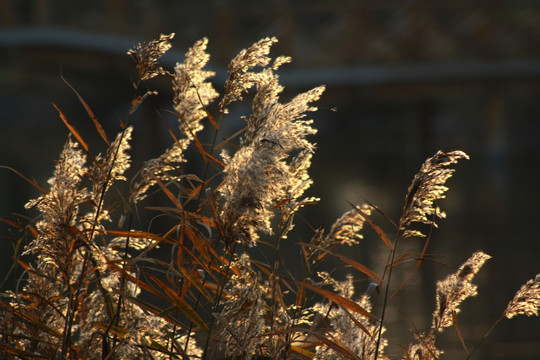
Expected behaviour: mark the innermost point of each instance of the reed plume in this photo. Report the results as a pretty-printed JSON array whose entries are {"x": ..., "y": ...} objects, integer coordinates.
[
  {"x": 193, "y": 91},
  {"x": 260, "y": 177},
  {"x": 146, "y": 56},
  {"x": 451, "y": 292},
  {"x": 526, "y": 301},
  {"x": 353, "y": 332},
  {"x": 426, "y": 188}
]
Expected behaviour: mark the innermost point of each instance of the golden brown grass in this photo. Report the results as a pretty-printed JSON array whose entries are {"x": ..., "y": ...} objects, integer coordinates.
[{"x": 88, "y": 273}]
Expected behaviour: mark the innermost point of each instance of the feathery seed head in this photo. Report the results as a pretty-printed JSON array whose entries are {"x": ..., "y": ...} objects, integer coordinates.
[
  {"x": 343, "y": 324},
  {"x": 260, "y": 175},
  {"x": 454, "y": 289},
  {"x": 424, "y": 348},
  {"x": 106, "y": 170},
  {"x": 146, "y": 56},
  {"x": 240, "y": 77},
  {"x": 426, "y": 188},
  {"x": 193, "y": 91},
  {"x": 526, "y": 301},
  {"x": 243, "y": 310},
  {"x": 59, "y": 208},
  {"x": 346, "y": 229}
]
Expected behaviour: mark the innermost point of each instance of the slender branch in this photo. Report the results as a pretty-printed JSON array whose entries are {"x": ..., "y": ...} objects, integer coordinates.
[{"x": 485, "y": 336}]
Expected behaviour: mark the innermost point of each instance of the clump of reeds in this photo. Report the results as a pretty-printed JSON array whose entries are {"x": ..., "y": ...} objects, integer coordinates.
[{"x": 88, "y": 272}]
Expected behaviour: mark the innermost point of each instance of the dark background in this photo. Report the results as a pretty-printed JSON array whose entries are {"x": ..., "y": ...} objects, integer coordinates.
[{"x": 407, "y": 78}]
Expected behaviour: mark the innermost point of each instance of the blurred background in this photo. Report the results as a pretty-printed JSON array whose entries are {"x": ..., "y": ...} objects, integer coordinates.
[{"x": 404, "y": 79}]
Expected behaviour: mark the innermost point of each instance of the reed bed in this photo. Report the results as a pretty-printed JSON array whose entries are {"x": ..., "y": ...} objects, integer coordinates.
[{"x": 92, "y": 286}]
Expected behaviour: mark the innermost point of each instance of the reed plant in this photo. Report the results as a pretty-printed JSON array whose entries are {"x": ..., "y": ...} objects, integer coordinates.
[{"x": 93, "y": 285}]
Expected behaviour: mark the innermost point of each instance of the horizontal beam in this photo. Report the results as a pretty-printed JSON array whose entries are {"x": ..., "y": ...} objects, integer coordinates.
[{"x": 355, "y": 76}]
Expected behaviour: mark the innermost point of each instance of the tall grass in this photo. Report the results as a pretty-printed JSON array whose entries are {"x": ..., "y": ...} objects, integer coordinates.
[{"x": 93, "y": 287}]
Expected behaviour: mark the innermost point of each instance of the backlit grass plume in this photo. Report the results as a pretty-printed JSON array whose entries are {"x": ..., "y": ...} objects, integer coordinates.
[
  {"x": 354, "y": 332},
  {"x": 454, "y": 289},
  {"x": 261, "y": 176},
  {"x": 451, "y": 292},
  {"x": 146, "y": 56},
  {"x": 428, "y": 187},
  {"x": 192, "y": 93},
  {"x": 526, "y": 301}
]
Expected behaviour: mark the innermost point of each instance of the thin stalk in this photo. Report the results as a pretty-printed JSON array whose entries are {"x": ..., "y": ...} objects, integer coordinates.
[
  {"x": 485, "y": 336},
  {"x": 204, "y": 178},
  {"x": 116, "y": 319},
  {"x": 389, "y": 266},
  {"x": 70, "y": 312},
  {"x": 219, "y": 294},
  {"x": 207, "y": 163}
]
